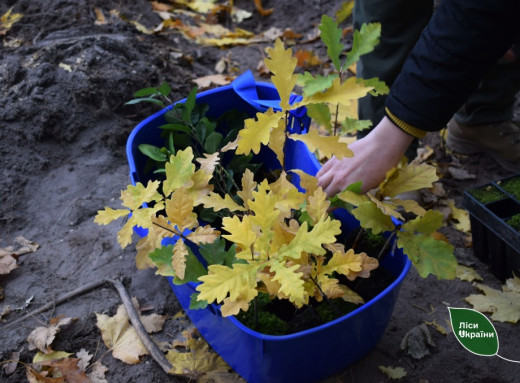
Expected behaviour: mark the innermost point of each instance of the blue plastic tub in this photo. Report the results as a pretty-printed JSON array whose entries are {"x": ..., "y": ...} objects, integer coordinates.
[{"x": 307, "y": 356}]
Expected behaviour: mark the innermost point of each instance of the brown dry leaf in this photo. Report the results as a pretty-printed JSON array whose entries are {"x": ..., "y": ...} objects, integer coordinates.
[
  {"x": 195, "y": 359},
  {"x": 60, "y": 370},
  {"x": 120, "y": 336},
  {"x": 460, "y": 174},
  {"x": 307, "y": 59},
  {"x": 41, "y": 338},
  {"x": 263, "y": 12},
  {"x": 160, "y": 7},
  {"x": 7, "y": 20},
  {"x": 140, "y": 27},
  {"x": 206, "y": 82},
  {"x": 153, "y": 322},
  {"x": 438, "y": 327}
]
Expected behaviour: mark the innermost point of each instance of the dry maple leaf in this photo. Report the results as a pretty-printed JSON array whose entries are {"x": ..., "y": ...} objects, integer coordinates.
[{"x": 60, "y": 370}]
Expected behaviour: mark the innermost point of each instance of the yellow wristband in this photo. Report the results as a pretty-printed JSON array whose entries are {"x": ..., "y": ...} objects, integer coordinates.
[{"x": 404, "y": 126}]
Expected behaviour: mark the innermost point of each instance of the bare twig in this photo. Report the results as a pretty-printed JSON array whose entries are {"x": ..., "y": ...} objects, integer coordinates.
[
  {"x": 65, "y": 297},
  {"x": 148, "y": 343}
]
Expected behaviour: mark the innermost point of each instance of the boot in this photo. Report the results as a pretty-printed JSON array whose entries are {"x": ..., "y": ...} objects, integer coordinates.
[{"x": 500, "y": 141}]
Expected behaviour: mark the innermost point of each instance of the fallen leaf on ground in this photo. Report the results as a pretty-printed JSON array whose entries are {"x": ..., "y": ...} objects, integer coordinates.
[
  {"x": 504, "y": 305},
  {"x": 438, "y": 327},
  {"x": 460, "y": 216},
  {"x": 10, "y": 365},
  {"x": 261, "y": 10},
  {"x": 97, "y": 373},
  {"x": 54, "y": 355},
  {"x": 465, "y": 273},
  {"x": 215, "y": 79},
  {"x": 417, "y": 341},
  {"x": 7, "y": 20},
  {"x": 7, "y": 264},
  {"x": 42, "y": 337},
  {"x": 120, "y": 336},
  {"x": 460, "y": 174},
  {"x": 193, "y": 358},
  {"x": 393, "y": 373},
  {"x": 84, "y": 358},
  {"x": 61, "y": 370}
]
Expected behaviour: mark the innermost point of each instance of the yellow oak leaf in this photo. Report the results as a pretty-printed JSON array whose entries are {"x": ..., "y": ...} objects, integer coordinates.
[
  {"x": 352, "y": 197},
  {"x": 200, "y": 187},
  {"x": 120, "y": 337},
  {"x": 367, "y": 265},
  {"x": 230, "y": 146},
  {"x": 216, "y": 202},
  {"x": 277, "y": 140},
  {"x": 233, "y": 307},
  {"x": 148, "y": 244},
  {"x": 282, "y": 64},
  {"x": 135, "y": 196},
  {"x": 291, "y": 282},
  {"x": 327, "y": 145},
  {"x": 257, "y": 131},
  {"x": 209, "y": 162},
  {"x": 241, "y": 233},
  {"x": 179, "y": 210},
  {"x": 203, "y": 234},
  {"x": 180, "y": 251},
  {"x": 287, "y": 195},
  {"x": 272, "y": 287},
  {"x": 124, "y": 236},
  {"x": 307, "y": 182},
  {"x": 143, "y": 217},
  {"x": 222, "y": 280},
  {"x": 386, "y": 207},
  {"x": 248, "y": 186},
  {"x": 330, "y": 287},
  {"x": 504, "y": 305},
  {"x": 318, "y": 205},
  {"x": 323, "y": 232},
  {"x": 179, "y": 170},
  {"x": 409, "y": 178},
  {"x": 343, "y": 263},
  {"x": 338, "y": 93},
  {"x": 264, "y": 207},
  {"x": 351, "y": 296},
  {"x": 371, "y": 217},
  {"x": 409, "y": 206},
  {"x": 107, "y": 215}
]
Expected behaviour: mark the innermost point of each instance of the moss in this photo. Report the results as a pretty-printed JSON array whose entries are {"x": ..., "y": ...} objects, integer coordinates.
[
  {"x": 487, "y": 194},
  {"x": 514, "y": 222},
  {"x": 265, "y": 322},
  {"x": 512, "y": 186}
]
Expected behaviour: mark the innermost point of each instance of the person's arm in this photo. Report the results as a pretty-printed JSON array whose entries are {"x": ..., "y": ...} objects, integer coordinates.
[{"x": 374, "y": 155}]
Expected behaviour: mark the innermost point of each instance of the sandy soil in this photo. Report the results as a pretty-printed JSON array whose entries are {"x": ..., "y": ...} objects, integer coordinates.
[{"x": 63, "y": 127}]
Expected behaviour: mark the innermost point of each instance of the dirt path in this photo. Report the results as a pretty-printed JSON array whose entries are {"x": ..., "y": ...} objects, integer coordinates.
[{"x": 64, "y": 79}]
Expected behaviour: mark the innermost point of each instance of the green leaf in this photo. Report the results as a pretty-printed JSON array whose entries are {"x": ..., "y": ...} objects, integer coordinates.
[
  {"x": 427, "y": 224},
  {"x": 146, "y": 92},
  {"x": 474, "y": 331},
  {"x": 364, "y": 42},
  {"x": 429, "y": 256},
  {"x": 379, "y": 86},
  {"x": 148, "y": 99},
  {"x": 312, "y": 85},
  {"x": 162, "y": 258},
  {"x": 153, "y": 152},
  {"x": 212, "y": 142},
  {"x": 371, "y": 217},
  {"x": 196, "y": 304},
  {"x": 164, "y": 89},
  {"x": 214, "y": 253},
  {"x": 176, "y": 127},
  {"x": 321, "y": 114},
  {"x": 331, "y": 36},
  {"x": 351, "y": 125},
  {"x": 171, "y": 144},
  {"x": 189, "y": 105}
]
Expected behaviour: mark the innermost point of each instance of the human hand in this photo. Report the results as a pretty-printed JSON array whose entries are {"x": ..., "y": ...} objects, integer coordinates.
[{"x": 374, "y": 155}]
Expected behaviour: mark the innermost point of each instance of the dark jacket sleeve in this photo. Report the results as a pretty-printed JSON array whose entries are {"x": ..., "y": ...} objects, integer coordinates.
[{"x": 463, "y": 40}]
